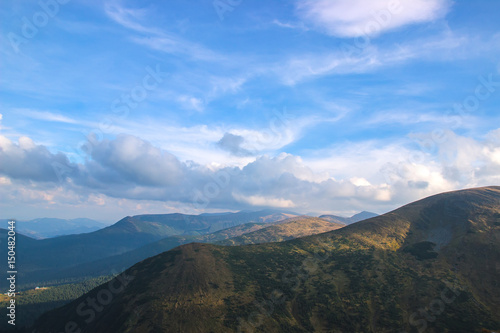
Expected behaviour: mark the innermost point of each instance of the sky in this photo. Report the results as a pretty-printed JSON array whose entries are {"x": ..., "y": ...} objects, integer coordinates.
[{"x": 116, "y": 108}]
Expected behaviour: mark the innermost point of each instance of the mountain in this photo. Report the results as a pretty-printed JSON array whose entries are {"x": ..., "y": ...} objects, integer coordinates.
[
  {"x": 364, "y": 215},
  {"x": 335, "y": 219},
  {"x": 428, "y": 266},
  {"x": 30, "y": 304},
  {"x": 258, "y": 233},
  {"x": 249, "y": 233},
  {"x": 348, "y": 220},
  {"x": 288, "y": 229},
  {"x": 21, "y": 240},
  {"x": 52, "y": 227},
  {"x": 47, "y": 257}
]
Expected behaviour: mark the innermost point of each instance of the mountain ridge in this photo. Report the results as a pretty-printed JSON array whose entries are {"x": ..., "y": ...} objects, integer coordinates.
[
  {"x": 349, "y": 220},
  {"x": 131, "y": 232},
  {"x": 41, "y": 228},
  {"x": 371, "y": 276},
  {"x": 285, "y": 229}
]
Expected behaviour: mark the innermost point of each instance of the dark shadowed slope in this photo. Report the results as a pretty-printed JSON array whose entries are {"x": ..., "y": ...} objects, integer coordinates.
[
  {"x": 429, "y": 266},
  {"x": 272, "y": 232},
  {"x": 42, "y": 260},
  {"x": 250, "y": 233}
]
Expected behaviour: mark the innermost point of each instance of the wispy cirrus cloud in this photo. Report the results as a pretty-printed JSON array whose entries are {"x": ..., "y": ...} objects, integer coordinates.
[
  {"x": 156, "y": 39},
  {"x": 128, "y": 17},
  {"x": 289, "y": 25},
  {"x": 46, "y": 116},
  {"x": 175, "y": 45},
  {"x": 348, "y": 59}
]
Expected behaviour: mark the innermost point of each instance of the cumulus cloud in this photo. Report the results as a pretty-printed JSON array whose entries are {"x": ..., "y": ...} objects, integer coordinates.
[
  {"x": 354, "y": 18},
  {"x": 131, "y": 170},
  {"x": 27, "y": 160},
  {"x": 131, "y": 159},
  {"x": 258, "y": 200}
]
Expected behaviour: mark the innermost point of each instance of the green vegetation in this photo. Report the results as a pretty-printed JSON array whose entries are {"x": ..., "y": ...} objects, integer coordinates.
[
  {"x": 73, "y": 256},
  {"x": 33, "y": 303},
  {"x": 284, "y": 230},
  {"x": 274, "y": 232},
  {"x": 379, "y": 275},
  {"x": 422, "y": 250},
  {"x": 30, "y": 304}
]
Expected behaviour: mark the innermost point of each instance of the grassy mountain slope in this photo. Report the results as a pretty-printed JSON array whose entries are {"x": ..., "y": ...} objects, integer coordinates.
[
  {"x": 269, "y": 232},
  {"x": 429, "y": 266},
  {"x": 120, "y": 262},
  {"x": 284, "y": 230},
  {"x": 43, "y": 260},
  {"x": 30, "y": 304},
  {"x": 53, "y": 297}
]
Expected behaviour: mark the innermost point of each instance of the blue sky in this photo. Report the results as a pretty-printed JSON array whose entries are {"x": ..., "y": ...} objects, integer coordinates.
[{"x": 114, "y": 108}]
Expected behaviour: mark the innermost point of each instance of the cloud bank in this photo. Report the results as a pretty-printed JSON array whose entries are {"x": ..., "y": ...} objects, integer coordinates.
[{"x": 130, "y": 168}]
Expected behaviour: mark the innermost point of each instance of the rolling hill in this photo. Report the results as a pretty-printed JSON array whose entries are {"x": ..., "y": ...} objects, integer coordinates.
[
  {"x": 288, "y": 229},
  {"x": 35, "y": 302},
  {"x": 249, "y": 233},
  {"x": 428, "y": 266},
  {"x": 41, "y": 260}
]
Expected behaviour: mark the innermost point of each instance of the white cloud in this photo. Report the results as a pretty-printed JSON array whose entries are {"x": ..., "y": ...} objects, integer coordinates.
[
  {"x": 288, "y": 25},
  {"x": 360, "y": 181},
  {"x": 26, "y": 160},
  {"x": 354, "y": 18},
  {"x": 130, "y": 159},
  {"x": 343, "y": 180},
  {"x": 169, "y": 43},
  {"x": 258, "y": 200},
  {"x": 45, "y": 116},
  {"x": 191, "y": 103},
  {"x": 128, "y": 17},
  {"x": 352, "y": 58}
]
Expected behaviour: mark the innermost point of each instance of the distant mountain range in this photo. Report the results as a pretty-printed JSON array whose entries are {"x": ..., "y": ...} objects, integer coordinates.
[
  {"x": 431, "y": 266},
  {"x": 51, "y": 227},
  {"x": 348, "y": 220},
  {"x": 55, "y": 258}
]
